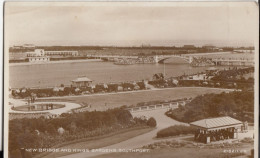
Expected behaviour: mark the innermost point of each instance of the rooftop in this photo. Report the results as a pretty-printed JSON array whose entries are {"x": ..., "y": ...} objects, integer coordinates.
[
  {"x": 216, "y": 122},
  {"x": 82, "y": 79}
]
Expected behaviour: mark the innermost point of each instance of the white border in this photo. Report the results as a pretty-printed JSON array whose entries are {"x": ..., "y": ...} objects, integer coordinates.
[{"x": 1, "y": 60}]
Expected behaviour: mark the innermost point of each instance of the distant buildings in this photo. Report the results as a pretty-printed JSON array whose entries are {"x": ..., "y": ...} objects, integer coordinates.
[
  {"x": 25, "y": 46},
  {"x": 29, "y": 46},
  {"x": 41, "y": 52},
  {"x": 189, "y": 46},
  {"x": 62, "y": 53},
  {"x": 244, "y": 50},
  {"x": 210, "y": 48},
  {"x": 37, "y": 56}
]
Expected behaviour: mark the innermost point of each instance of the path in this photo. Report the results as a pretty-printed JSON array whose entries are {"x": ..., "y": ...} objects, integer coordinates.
[{"x": 148, "y": 138}]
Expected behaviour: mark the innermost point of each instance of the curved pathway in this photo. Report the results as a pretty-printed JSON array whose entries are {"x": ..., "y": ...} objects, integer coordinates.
[{"x": 162, "y": 122}]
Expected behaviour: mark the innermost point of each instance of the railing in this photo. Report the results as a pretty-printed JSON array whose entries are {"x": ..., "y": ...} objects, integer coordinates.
[{"x": 171, "y": 105}]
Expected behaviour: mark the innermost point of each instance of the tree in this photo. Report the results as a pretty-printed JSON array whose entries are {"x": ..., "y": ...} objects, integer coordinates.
[{"x": 151, "y": 122}]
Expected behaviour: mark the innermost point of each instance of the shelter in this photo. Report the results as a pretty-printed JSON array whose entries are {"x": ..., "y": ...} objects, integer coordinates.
[
  {"x": 81, "y": 82},
  {"x": 215, "y": 129}
]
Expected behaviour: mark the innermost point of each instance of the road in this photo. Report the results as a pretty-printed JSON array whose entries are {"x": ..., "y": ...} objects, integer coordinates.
[{"x": 148, "y": 138}]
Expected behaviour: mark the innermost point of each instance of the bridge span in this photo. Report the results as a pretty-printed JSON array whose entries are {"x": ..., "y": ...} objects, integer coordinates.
[
  {"x": 157, "y": 58},
  {"x": 187, "y": 58}
]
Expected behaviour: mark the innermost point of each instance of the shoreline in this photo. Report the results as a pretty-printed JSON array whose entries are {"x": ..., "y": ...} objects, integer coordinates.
[{"x": 55, "y": 62}]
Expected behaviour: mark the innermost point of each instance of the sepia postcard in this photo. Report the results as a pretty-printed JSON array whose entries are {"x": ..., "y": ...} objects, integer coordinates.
[{"x": 131, "y": 79}]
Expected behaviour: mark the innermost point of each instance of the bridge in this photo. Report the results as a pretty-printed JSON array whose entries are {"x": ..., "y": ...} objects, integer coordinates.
[
  {"x": 161, "y": 58},
  {"x": 157, "y": 58},
  {"x": 188, "y": 59}
]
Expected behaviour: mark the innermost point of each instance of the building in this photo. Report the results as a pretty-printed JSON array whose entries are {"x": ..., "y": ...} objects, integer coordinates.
[
  {"x": 41, "y": 52},
  {"x": 37, "y": 56},
  {"x": 81, "y": 82},
  {"x": 189, "y": 46},
  {"x": 196, "y": 77},
  {"x": 210, "y": 47},
  {"x": 36, "y": 53},
  {"x": 244, "y": 50},
  {"x": 215, "y": 129},
  {"x": 62, "y": 53}
]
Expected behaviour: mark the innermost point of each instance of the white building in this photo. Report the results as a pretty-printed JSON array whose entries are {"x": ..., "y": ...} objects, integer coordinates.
[
  {"x": 244, "y": 50},
  {"x": 37, "y": 56},
  {"x": 36, "y": 53},
  {"x": 65, "y": 53}
]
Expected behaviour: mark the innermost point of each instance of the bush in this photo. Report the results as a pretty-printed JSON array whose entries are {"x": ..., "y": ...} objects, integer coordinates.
[
  {"x": 175, "y": 130},
  {"x": 151, "y": 122},
  {"x": 216, "y": 105}
]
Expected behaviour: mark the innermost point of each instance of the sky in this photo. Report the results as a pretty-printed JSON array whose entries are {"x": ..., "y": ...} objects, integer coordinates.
[{"x": 131, "y": 24}]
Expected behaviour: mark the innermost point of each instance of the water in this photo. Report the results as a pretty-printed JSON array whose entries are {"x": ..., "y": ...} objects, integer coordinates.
[{"x": 100, "y": 72}]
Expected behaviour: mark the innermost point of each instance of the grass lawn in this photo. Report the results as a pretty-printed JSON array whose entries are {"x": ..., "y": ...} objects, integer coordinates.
[
  {"x": 101, "y": 141},
  {"x": 182, "y": 152},
  {"x": 105, "y": 101}
]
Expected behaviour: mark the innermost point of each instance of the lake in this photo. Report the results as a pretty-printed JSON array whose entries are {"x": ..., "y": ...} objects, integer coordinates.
[{"x": 50, "y": 75}]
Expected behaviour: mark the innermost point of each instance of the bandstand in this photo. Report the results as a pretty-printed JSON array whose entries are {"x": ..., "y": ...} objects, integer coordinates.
[{"x": 216, "y": 129}]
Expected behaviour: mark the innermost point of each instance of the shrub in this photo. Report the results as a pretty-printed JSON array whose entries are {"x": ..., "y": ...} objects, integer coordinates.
[
  {"x": 175, "y": 130},
  {"x": 151, "y": 122}
]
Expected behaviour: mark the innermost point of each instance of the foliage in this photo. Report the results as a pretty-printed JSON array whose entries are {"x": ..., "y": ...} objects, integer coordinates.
[
  {"x": 141, "y": 85},
  {"x": 151, "y": 122},
  {"x": 238, "y": 104},
  {"x": 112, "y": 87},
  {"x": 234, "y": 74},
  {"x": 129, "y": 86},
  {"x": 175, "y": 130},
  {"x": 76, "y": 126}
]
